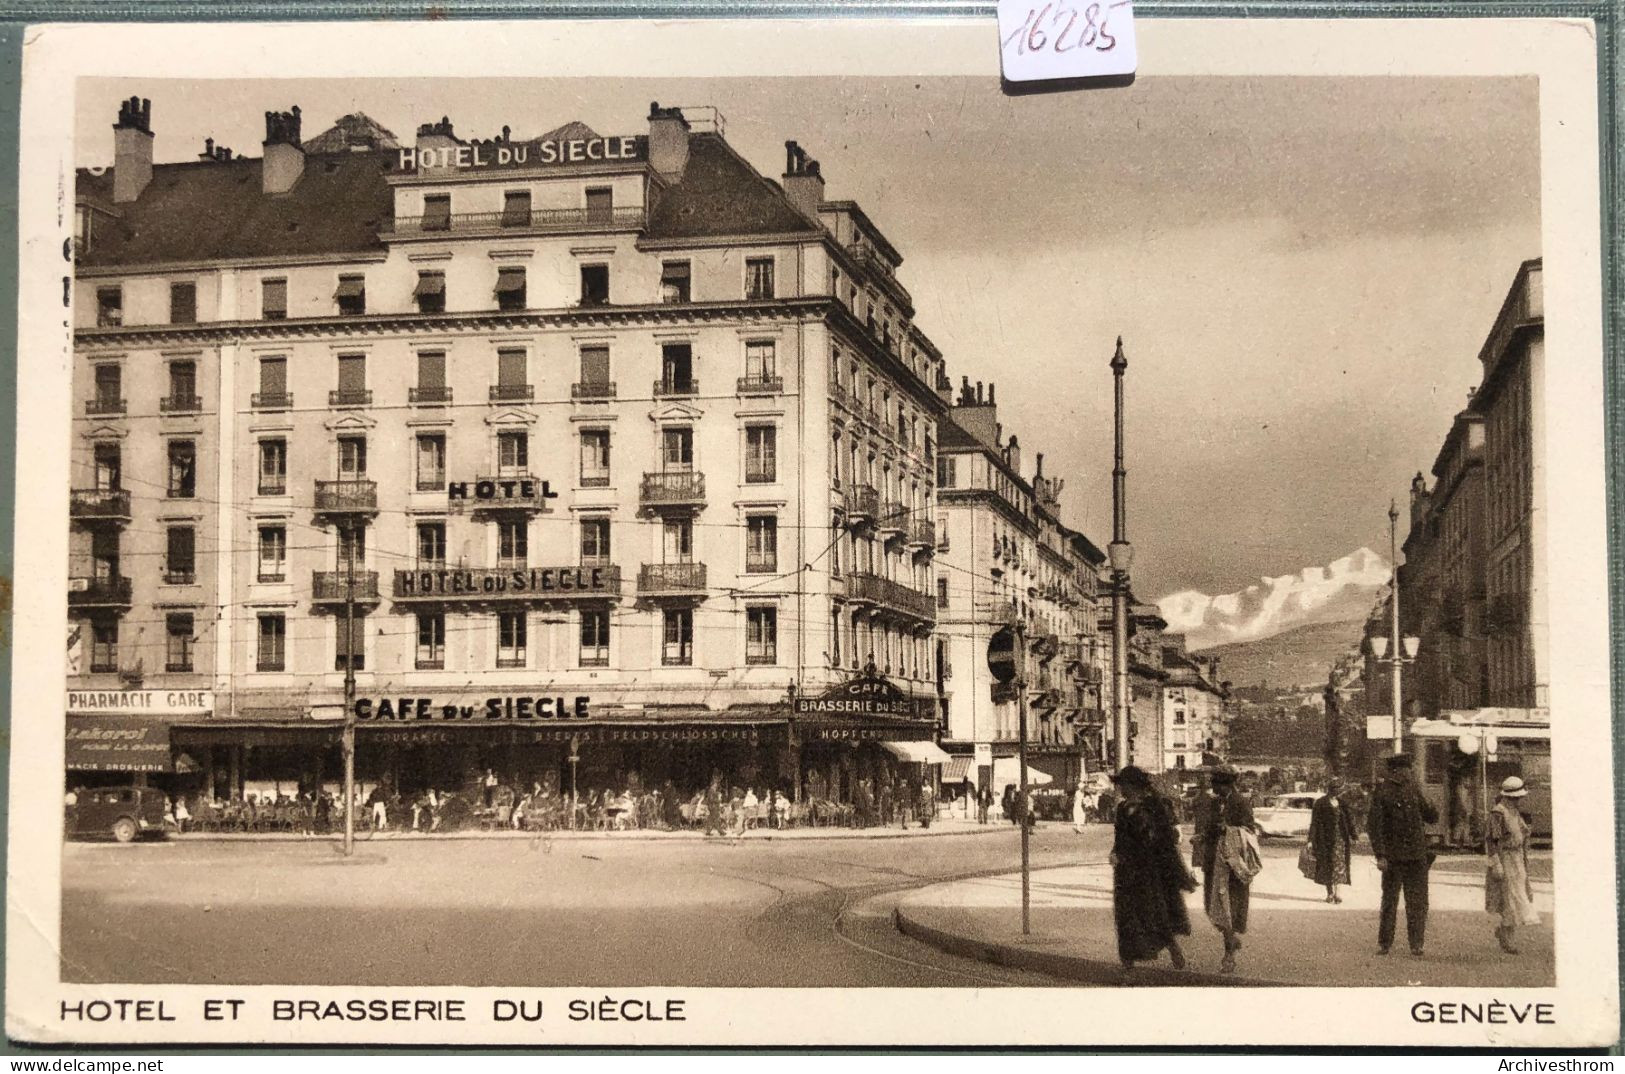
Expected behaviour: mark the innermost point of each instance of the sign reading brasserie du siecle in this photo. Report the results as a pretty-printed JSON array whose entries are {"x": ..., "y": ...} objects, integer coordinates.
[{"x": 868, "y": 708}]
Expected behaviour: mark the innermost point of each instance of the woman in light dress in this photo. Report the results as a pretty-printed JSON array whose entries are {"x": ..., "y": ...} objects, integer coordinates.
[{"x": 1507, "y": 890}]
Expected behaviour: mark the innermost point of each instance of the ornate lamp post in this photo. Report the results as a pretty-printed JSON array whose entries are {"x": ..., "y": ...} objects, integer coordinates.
[
  {"x": 1121, "y": 554},
  {"x": 1404, "y": 649}
]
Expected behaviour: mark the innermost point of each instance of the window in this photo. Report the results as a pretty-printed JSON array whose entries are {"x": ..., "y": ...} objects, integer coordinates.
[
  {"x": 437, "y": 212},
  {"x": 109, "y": 307},
  {"x": 511, "y": 368},
  {"x": 351, "y": 644},
  {"x": 761, "y": 544},
  {"x": 513, "y": 453},
  {"x": 835, "y": 637},
  {"x": 109, "y": 388},
  {"x": 273, "y": 554},
  {"x": 677, "y": 449},
  {"x": 273, "y": 635},
  {"x": 516, "y": 208},
  {"x": 513, "y": 540},
  {"x": 1179, "y": 717},
  {"x": 273, "y": 299},
  {"x": 351, "y": 295},
  {"x": 595, "y": 458},
  {"x": 674, "y": 281},
  {"x": 431, "y": 545},
  {"x": 183, "y": 387},
  {"x": 430, "y": 293},
  {"x": 510, "y": 289},
  {"x": 761, "y": 635},
  {"x": 183, "y": 303},
  {"x": 273, "y": 382},
  {"x": 352, "y": 458},
  {"x": 182, "y": 469},
  {"x": 677, "y": 649},
  {"x": 109, "y": 461},
  {"x": 352, "y": 548},
  {"x": 104, "y": 645},
  {"x": 761, "y": 362},
  {"x": 942, "y": 593},
  {"x": 761, "y": 454},
  {"x": 180, "y": 556},
  {"x": 431, "y": 651},
  {"x": 352, "y": 378},
  {"x": 594, "y": 637},
  {"x": 178, "y": 641},
  {"x": 758, "y": 277},
  {"x": 431, "y": 387},
  {"x": 600, "y": 205},
  {"x": 595, "y": 542},
  {"x": 594, "y": 285},
  {"x": 595, "y": 372},
  {"x": 677, "y": 369},
  {"x": 431, "y": 462},
  {"x": 947, "y": 477},
  {"x": 677, "y": 540},
  {"x": 511, "y": 631}
]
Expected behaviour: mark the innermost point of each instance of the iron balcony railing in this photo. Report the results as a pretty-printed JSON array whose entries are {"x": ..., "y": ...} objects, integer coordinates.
[
  {"x": 575, "y": 219},
  {"x": 512, "y": 393},
  {"x": 593, "y": 390},
  {"x": 327, "y": 587},
  {"x": 671, "y": 579},
  {"x": 180, "y": 577},
  {"x": 874, "y": 589},
  {"x": 862, "y": 502},
  {"x": 99, "y": 505},
  {"x": 893, "y": 517},
  {"x": 683, "y": 487},
  {"x": 441, "y": 394},
  {"x": 95, "y": 407},
  {"x": 922, "y": 533},
  {"x": 349, "y": 496},
  {"x": 760, "y": 385},
  {"x": 272, "y": 400},
  {"x": 350, "y": 397},
  {"x": 110, "y": 591},
  {"x": 180, "y": 404},
  {"x": 670, "y": 386}
]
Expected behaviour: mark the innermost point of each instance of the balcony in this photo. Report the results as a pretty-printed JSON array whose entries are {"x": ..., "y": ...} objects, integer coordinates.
[
  {"x": 1001, "y": 612},
  {"x": 348, "y": 497},
  {"x": 680, "y": 489},
  {"x": 506, "y": 586},
  {"x": 1044, "y": 646},
  {"x": 350, "y": 397},
  {"x": 760, "y": 385},
  {"x": 922, "y": 533},
  {"x": 512, "y": 393},
  {"x": 88, "y": 506},
  {"x": 332, "y": 587},
  {"x": 674, "y": 388},
  {"x": 667, "y": 580},
  {"x": 589, "y": 390},
  {"x": 862, "y": 503},
  {"x": 180, "y": 577},
  {"x": 535, "y": 221},
  {"x": 865, "y": 588},
  {"x": 180, "y": 404},
  {"x": 109, "y": 592},
  {"x": 272, "y": 400},
  {"x": 893, "y": 519},
  {"x": 429, "y": 396},
  {"x": 103, "y": 407}
]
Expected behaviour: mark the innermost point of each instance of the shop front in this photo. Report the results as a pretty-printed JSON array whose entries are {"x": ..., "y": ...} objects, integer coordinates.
[
  {"x": 1462, "y": 757},
  {"x": 116, "y": 737},
  {"x": 866, "y": 733}
]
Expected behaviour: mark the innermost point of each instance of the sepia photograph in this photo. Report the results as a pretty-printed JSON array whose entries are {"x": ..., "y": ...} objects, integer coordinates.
[{"x": 837, "y": 529}]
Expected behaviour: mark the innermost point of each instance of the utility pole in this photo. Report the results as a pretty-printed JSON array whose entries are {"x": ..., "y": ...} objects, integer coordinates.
[
  {"x": 1394, "y": 639},
  {"x": 1122, "y": 557},
  {"x": 1021, "y": 756},
  {"x": 348, "y": 530}
]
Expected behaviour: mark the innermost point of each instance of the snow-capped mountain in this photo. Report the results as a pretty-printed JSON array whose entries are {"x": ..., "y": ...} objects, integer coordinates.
[{"x": 1341, "y": 591}]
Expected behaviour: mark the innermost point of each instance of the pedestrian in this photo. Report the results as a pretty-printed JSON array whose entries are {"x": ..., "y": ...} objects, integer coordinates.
[
  {"x": 378, "y": 802},
  {"x": 1331, "y": 839},
  {"x": 984, "y": 803},
  {"x": 1229, "y": 862},
  {"x": 490, "y": 784},
  {"x": 1399, "y": 841},
  {"x": 1507, "y": 890},
  {"x": 749, "y": 805},
  {"x": 1080, "y": 808},
  {"x": 1202, "y": 808},
  {"x": 1007, "y": 802},
  {"x": 1149, "y": 881},
  {"x": 713, "y": 807},
  {"x": 928, "y": 804}
]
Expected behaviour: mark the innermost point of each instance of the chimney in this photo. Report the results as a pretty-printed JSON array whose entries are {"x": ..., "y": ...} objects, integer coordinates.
[
  {"x": 132, "y": 149},
  {"x": 803, "y": 182},
  {"x": 436, "y": 147},
  {"x": 1039, "y": 473},
  {"x": 668, "y": 140},
  {"x": 284, "y": 159},
  {"x": 990, "y": 399},
  {"x": 1014, "y": 454},
  {"x": 979, "y": 397}
]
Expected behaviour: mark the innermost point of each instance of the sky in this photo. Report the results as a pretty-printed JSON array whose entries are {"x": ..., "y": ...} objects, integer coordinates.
[{"x": 1302, "y": 269}]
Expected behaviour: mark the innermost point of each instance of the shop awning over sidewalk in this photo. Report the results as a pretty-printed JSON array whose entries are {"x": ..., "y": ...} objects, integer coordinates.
[
  {"x": 918, "y": 752},
  {"x": 1007, "y": 772},
  {"x": 958, "y": 770}
]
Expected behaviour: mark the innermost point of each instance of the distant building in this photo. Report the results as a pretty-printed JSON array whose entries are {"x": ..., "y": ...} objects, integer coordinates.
[{"x": 1195, "y": 707}]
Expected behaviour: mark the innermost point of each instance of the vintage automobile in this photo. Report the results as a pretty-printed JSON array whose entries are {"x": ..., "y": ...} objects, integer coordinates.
[
  {"x": 1285, "y": 815},
  {"x": 122, "y": 812}
]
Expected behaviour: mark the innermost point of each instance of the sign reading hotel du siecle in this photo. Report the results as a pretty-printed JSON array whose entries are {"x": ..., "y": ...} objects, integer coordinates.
[{"x": 621, "y": 149}]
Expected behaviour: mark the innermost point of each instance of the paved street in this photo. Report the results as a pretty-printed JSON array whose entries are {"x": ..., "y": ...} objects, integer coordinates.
[{"x": 605, "y": 911}]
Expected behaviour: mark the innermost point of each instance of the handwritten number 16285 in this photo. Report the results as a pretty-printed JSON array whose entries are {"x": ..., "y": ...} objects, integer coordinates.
[{"x": 1061, "y": 27}]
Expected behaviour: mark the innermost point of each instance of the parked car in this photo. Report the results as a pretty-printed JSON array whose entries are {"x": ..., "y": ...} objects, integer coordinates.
[
  {"x": 1285, "y": 815},
  {"x": 122, "y": 812}
]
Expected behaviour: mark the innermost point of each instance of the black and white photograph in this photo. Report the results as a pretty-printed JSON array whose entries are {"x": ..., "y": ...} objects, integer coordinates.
[{"x": 541, "y": 543}]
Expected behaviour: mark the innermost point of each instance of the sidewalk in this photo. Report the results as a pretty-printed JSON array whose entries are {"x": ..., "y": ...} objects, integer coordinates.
[
  {"x": 1294, "y": 937},
  {"x": 942, "y": 826}
]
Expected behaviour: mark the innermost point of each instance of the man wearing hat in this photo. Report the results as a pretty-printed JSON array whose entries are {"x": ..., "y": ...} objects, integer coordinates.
[
  {"x": 1507, "y": 891},
  {"x": 1399, "y": 841}
]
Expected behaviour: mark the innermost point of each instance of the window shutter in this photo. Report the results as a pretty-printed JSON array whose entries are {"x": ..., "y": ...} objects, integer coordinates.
[
  {"x": 431, "y": 369},
  {"x": 595, "y": 365}
]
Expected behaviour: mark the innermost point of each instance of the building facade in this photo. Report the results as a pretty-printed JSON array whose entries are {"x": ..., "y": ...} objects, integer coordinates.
[
  {"x": 1196, "y": 709},
  {"x": 590, "y": 459}
]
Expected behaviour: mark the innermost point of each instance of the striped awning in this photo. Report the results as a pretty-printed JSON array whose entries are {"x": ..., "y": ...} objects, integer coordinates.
[{"x": 957, "y": 770}]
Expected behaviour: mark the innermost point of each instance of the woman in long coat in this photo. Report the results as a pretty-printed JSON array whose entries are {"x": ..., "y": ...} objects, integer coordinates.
[
  {"x": 1149, "y": 880},
  {"x": 1227, "y": 896},
  {"x": 1507, "y": 891},
  {"x": 1331, "y": 837}
]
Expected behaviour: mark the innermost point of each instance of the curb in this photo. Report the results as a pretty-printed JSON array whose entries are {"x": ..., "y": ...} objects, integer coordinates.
[
  {"x": 566, "y": 836},
  {"x": 1071, "y": 967}
]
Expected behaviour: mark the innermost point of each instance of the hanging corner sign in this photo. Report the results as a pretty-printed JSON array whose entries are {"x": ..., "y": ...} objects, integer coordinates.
[{"x": 1001, "y": 655}]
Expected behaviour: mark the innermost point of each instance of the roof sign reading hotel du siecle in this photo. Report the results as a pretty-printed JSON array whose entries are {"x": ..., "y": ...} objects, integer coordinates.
[{"x": 628, "y": 148}]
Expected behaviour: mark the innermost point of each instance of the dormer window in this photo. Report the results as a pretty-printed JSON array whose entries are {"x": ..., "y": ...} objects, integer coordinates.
[
  {"x": 109, "y": 307},
  {"x": 516, "y": 208},
  {"x": 430, "y": 292},
  {"x": 601, "y": 205},
  {"x": 437, "y": 212},
  {"x": 183, "y": 303},
  {"x": 674, "y": 282},
  {"x": 758, "y": 277},
  {"x": 351, "y": 295},
  {"x": 594, "y": 285},
  {"x": 510, "y": 290}
]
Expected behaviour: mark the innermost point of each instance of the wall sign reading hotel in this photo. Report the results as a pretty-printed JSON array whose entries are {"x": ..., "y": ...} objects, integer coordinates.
[
  {"x": 498, "y": 489},
  {"x": 629, "y": 147}
]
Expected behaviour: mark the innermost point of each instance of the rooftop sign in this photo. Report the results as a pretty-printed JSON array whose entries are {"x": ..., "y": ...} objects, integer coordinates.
[{"x": 620, "y": 149}]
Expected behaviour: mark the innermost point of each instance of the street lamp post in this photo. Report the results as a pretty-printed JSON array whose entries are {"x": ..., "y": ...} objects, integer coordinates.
[
  {"x": 1404, "y": 649},
  {"x": 1122, "y": 557}
]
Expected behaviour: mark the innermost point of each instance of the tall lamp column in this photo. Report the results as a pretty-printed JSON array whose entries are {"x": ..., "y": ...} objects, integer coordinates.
[{"x": 1122, "y": 557}]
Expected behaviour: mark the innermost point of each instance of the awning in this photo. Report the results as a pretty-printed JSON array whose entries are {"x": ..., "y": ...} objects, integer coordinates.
[
  {"x": 430, "y": 283},
  {"x": 1007, "y": 772},
  {"x": 351, "y": 287},
  {"x": 510, "y": 282},
  {"x": 958, "y": 770},
  {"x": 918, "y": 752}
]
